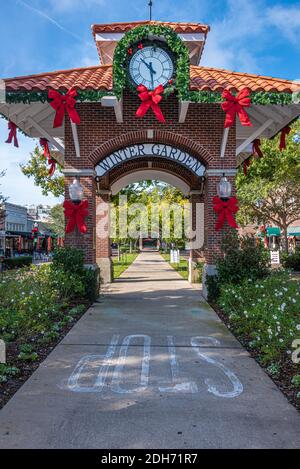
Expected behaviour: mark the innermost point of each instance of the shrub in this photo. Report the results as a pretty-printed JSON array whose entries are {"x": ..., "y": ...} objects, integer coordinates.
[
  {"x": 291, "y": 261},
  {"x": 213, "y": 288},
  {"x": 242, "y": 258},
  {"x": 265, "y": 312},
  {"x": 91, "y": 280},
  {"x": 17, "y": 262},
  {"x": 69, "y": 260}
]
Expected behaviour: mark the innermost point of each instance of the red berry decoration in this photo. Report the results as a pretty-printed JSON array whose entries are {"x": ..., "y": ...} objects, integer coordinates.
[
  {"x": 140, "y": 46},
  {"x": 171, "y": 82},
  {"x": 130, "y": 51}
]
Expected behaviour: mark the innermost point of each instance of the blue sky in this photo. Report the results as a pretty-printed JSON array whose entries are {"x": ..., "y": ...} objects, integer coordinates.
[{"x": 259, "y": 36}]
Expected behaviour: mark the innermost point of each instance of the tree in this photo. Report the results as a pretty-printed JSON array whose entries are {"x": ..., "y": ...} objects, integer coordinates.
[
  {"x": 57, "y": 220},
  {"x": 38, "y": 168},
  {"x": 270, "y": 192}
]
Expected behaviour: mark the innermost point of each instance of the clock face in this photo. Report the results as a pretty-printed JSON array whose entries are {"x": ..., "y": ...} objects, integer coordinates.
[{"x": 151, "y": 66}]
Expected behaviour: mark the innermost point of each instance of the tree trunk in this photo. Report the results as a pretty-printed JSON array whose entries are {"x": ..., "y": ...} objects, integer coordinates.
[{"x": 285, "y": 240}]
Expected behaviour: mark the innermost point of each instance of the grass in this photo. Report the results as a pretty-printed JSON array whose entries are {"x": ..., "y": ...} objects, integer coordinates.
[
  {"x": 120, "y": 266},
  {"x": 182, "y": 268}
]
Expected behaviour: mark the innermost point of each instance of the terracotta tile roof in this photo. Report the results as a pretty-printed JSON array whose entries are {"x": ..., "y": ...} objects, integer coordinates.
[
  {"x": 215, "y": 79},
  {"x": 100, "y": 77},
  {"x": 124, "y": 27}
]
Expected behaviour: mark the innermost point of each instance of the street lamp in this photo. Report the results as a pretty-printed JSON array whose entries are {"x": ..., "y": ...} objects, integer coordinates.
[
  {"x": 224, "y": 188},
  {"x": 76, "y": 192}
]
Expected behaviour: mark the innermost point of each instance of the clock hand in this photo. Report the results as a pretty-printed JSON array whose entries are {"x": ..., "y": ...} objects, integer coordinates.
[{"x": 151, "y": 68}]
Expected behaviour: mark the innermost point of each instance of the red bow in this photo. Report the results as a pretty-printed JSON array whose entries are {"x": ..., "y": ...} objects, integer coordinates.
[
  {"x": 61, "y": 104},
  {"x": 284, "y": 133},
  {"x": 225, "y": 210},
  {"x": 45, "y": 144},
  {"x": 12, "y": 134},
  {"x": 76, "y": 215},
  {"x": 150, "y": 99},
  {"x": 256, "y": 150},
  {"x": 235, "y": 105}
]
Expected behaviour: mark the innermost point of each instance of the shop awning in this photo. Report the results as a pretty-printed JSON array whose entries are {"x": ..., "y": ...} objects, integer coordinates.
[
  {"x": 273, "y": 231},
  {"x": 294, "y": 231}
]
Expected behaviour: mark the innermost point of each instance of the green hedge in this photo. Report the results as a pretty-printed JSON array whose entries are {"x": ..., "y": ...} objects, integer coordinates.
[
  {"x": 15, "y": 262},
  {"x": 291, "y": 261}
]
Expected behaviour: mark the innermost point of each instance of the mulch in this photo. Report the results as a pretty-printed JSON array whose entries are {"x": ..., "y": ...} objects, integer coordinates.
[{"x": 287, "y": 369}]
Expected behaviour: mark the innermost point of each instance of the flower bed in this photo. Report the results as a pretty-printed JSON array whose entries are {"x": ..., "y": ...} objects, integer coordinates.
[
  {"x": 39, "y": 305},
  {"x": 265, "y": 315}
]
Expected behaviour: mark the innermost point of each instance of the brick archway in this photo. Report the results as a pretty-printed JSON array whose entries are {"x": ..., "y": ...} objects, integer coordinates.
[{"x": 158, "y": 136}]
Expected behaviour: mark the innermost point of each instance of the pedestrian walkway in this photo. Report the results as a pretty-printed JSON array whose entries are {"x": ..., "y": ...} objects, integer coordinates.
[{"x": 149, "y": 366}]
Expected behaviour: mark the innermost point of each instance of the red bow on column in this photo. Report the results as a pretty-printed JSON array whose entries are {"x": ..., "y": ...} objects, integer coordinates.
[
  {"x": 283, "y": 135},
  {"x": 256, "y": 150},
  {"x": 12, "y": 134},
  {"x": 225, "y": 210},
  {"x": 61, "y": 104},
  {"x": 75, "y": 215},
  {"x": 235, "y": 105},
  {"x": 45, "y": 144},
  {"x": 150, "y": 99}
]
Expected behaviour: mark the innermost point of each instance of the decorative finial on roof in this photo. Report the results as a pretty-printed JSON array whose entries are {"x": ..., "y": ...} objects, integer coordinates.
[{"x": 150, "y": 4}]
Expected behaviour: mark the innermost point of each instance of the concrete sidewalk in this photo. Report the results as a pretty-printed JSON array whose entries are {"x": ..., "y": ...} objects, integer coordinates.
[{"x": 150, "y": 366}]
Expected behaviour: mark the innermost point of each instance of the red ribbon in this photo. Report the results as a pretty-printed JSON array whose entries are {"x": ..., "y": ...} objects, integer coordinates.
[
  {"x": 225, "y": 210},
  {"x": 235, "y": 105},
  {"x": 12, "y": 134},
  {"x": 283, "y": 135},
  {"x": 75, "y": 214},
  {"x": 256, "y": 150},
  {"x": 61, "y": 104},
  {"x": 150, "y": 99},
  {"x": 45, "y": 144}
]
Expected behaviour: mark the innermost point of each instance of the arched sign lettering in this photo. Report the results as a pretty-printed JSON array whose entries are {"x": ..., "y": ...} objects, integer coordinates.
[{"x": 150, "y": 150}]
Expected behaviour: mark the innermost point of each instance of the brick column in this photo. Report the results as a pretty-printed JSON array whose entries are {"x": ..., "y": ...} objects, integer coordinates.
[
  {"x": 213, "y": 238},
  {"x": 103, "y": 241},
  {"x": 85, "y": 242}
]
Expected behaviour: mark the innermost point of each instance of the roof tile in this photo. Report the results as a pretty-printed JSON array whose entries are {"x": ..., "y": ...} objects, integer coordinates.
[
  {"x": 124, "y": 27},
  {"x": 100, "y": 77}
]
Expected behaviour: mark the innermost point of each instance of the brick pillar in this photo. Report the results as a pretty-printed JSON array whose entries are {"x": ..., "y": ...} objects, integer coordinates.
[
  {"x": 197, "y": 222},
  {"x": 103, "y": 242},
  {"x": 85, "y": 242}
]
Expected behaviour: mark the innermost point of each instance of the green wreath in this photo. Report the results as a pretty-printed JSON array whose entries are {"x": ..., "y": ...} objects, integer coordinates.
[{"x": 182, "y": 81}]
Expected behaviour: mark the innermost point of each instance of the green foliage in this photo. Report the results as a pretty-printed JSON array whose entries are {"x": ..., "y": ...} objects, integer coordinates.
[
  {"x": 242, "y": 258},
  {"x": 74, "y": 278},
  {"x": 119, "y": 266},
  {"x": 69, "y": 260},
  {"x": 35, "y": 302},
  {"x": 265, "y": 312},
  {"x": 296, "y": 380},
  {"x": 27, "y": 353},
  {"x": 7, "y": 371},
  {"x": 38, "y": 168},
  {"x": 291, "y": 260},
  {"x": 57, "y": 220},
  {"x": 270, "y": 191},
  {"x": 182, "y": 80},
  {"x": 17, "y": 262}
]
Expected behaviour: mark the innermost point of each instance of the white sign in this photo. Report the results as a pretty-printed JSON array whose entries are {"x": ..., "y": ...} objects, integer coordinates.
[
  {"x": 275, "y": 257},
  {"x": 150, "y": 150}
]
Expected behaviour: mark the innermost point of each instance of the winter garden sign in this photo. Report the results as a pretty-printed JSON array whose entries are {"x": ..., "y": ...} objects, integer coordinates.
[{"x": 150, "y": 150}]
